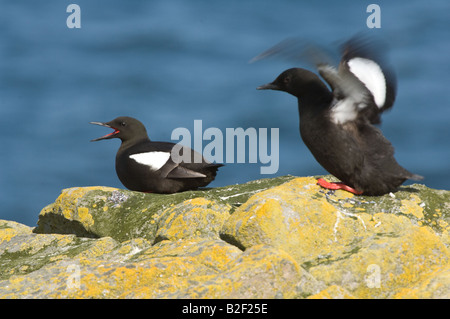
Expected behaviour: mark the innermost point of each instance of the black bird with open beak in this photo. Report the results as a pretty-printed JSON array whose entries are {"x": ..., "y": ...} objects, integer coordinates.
[{"x": 155, "y": 167}]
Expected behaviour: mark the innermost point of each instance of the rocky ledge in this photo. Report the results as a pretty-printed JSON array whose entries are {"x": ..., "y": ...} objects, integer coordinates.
[{"x": 272, "y": 238}]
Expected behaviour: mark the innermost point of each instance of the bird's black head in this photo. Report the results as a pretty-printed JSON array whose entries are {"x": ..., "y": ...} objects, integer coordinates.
[
  {"x": 126, "y": 128},
  {"x": 296, "y": 81}
]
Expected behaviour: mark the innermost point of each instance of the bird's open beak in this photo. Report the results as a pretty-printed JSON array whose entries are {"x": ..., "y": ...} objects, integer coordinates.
[
  {"x": 107, "y": 136},
  {"x": 268, "y": 86}
]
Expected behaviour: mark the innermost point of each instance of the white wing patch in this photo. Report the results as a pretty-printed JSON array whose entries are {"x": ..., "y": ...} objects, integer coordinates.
[
  {"x": 155, "y": 160},
  {"x": 370, "y": 73},
  {"x": 344, "y": 111}
]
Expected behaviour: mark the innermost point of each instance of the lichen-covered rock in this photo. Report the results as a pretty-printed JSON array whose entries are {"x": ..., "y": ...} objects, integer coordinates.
[
  {"x": 333, "y": 292},
  {"x": 198, "y": 217},
  {"x": 98, "y": 212},
  {"x": 259, "y": 272},
  {"x": 22, "y": 251},
  {"x": 347, "y": 240},
  {"x": 122, "y": 214},
  {"x": 382, "y": 267},
  {"x": 434, "y": 286},
  {"x": 181, "y": 269},
  {"x": 273, "y": 238}
]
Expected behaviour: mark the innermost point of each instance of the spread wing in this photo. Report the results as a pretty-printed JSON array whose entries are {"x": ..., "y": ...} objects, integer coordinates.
[{"x": 363, "y": 85}]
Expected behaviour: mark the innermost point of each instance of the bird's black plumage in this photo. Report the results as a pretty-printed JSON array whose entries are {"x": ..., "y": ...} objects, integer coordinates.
[
  {"x": 338, "y": 125},
  {"x": 148, "y": 166}
]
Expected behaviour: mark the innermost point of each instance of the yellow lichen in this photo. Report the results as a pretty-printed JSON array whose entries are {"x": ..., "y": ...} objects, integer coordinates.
[
  {"x": 99, "y": 247},
  {"x": 412, "y": 206},
  {"x": 63, "y": 240},
  {"x": 434, "y": 285},
  {"x": 333, "y": 292},
  {"x": 6, "y": 234},
  {"x": 67, "y": 213},
  {"x": 198, "y": 201},
  {"x": 193, "y": 218},
  {"x": 67, "y": 202},
  {"x": 47, "y": 209},
  {"x": 56, "y": 258},
  {"x": 443, "y": 223},
  {"x": 24, "y": 268},
  {"x": 85, "y": 217}
]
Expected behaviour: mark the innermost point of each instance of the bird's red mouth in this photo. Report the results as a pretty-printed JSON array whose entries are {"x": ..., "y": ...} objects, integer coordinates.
[
  {"x": 116, "y": 131},
  {"x": 107, "y": 136}
]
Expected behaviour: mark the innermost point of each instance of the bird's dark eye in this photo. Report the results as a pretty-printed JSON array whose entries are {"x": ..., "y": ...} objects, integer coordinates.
[
  {"x": 123, "y": 123},
  {"x": 287, "y": 79}
]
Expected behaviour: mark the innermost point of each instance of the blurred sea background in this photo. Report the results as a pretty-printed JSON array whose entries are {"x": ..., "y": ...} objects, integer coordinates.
[{"x": 170, "y": 62}]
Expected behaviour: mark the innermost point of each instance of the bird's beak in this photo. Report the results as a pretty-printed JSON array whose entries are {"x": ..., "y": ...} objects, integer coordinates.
[
  {"x": 107, "y": 136},
  {"x": 268, "y": 86}
]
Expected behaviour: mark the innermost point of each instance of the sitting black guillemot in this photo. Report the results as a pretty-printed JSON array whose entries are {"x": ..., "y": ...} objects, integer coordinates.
[
  {"x": 147, "y": 166},
  {"x": 338, "y": 126}
]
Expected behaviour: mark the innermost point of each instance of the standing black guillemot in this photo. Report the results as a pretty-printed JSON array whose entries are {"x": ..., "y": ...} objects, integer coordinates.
[
  {"x": 147, "y": 166},
  {"x": 338, "y": 126}
]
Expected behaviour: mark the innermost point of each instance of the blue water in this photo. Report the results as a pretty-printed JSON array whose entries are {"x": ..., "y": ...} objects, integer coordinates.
[{"x": 169, "y": 63}]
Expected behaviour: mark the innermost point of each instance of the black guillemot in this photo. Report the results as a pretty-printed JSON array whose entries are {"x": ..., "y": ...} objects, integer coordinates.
[
  {"x": 147, "y": 166},
  {"x": 338, "y": 125}
]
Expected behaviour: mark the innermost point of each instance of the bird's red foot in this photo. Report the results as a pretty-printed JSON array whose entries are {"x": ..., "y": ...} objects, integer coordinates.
[{"x": 337, "y": 185}]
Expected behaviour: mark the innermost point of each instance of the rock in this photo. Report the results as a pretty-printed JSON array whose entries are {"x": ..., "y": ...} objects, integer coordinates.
[
  {"x": 370, "y": 246},
  {"x": 122, "y": 214},
  {"x": 333, "y": 292},
  {"x": 259, "y": 272},
  {"x": 198, "y": 217},
  {"x": 383, "y": 266},
  {"x": 434, "y": 286},
  {"x": 273, "y": 238}
]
